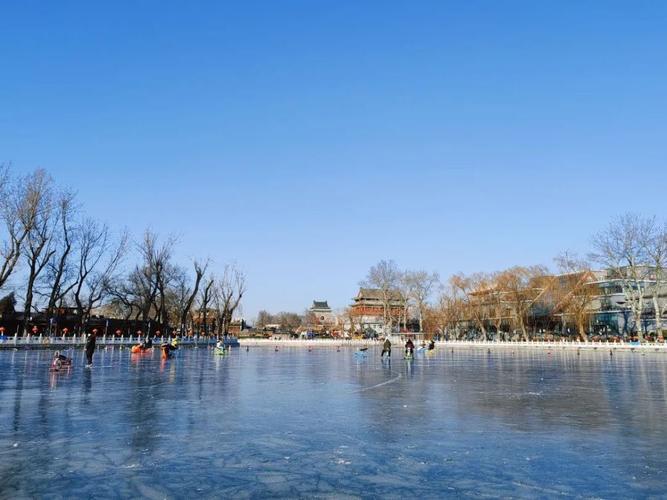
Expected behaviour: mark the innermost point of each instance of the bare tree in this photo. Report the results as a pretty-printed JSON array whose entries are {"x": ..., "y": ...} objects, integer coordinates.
[
  {"x": 446, "y": 315},
  {"x": 206, "y": 297},
  {"x": 22, "y": 204},
  {"x": 574, "y": 291},
  {"x": 384, "y": 276},
  {"x": 5, "y": 179},
  {"x": 656, "y": 252},
  {"x": 522, "y": 288},
  {"x": 40, "y": 213},
  {"x": 122, "y": 298},
  {"x": 474, "y": 291},
  {"x": 177, "y": 295},
  {"x": 420, "y": 286},
  {"x": 229, "y": 292},
  {"x": 289, "y": 321},
  {"x": 17, "y": 217},
  {"x": 263, "y": 318},
  {"x": 497, "y": 304},
  {"x": 621, "y": 249},
  {"x": 187, "y": 293},
  {"x": 98, "y": 261},
  {"x": 403, "y": 289},
  {"x": 60, "y": 275},
  {"x": 149, "y": 280}
]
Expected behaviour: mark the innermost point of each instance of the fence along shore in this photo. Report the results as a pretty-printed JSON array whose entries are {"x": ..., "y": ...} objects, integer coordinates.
[{"x": 45, "y": 342}]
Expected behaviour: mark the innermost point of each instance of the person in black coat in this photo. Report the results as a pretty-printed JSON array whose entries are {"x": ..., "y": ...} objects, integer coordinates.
[
  {"x": 409, "y": 348},
  {"x": 386, "y": 348},
  {"x": 90, "y": 347}
]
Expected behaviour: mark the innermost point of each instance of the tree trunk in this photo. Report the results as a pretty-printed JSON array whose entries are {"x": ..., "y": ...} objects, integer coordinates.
[
  {"x": 638, "y": 321},
  {"x": 481, "y": 327},
  {"x": 188, "y": 304},
  {"x": 522, "y": 327},
  {"x": 658, "y": 313},
  {"x": 28, "y": 299},
  {"x": 498, "y": 324},
  {"x": 581, "y": 329}
]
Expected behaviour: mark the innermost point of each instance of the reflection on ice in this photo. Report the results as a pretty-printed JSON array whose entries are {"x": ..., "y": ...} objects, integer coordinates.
[{"x": 327, "y": 422}]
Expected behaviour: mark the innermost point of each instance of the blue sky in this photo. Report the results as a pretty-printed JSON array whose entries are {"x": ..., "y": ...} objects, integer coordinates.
[{"x": 308, "y": 140}]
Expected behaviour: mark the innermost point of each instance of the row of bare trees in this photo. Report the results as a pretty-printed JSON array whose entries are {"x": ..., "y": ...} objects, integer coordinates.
[
  {"x": 623, "y": 277},
  {"x": 412, "y": 289},
  {"x": 55, "y": 258},
  {"x": 285, "y": 321},
  {"x": 408, "y": 291},
  {"x": 56, "y": 254},
  {"x": 481, "y": 303},
  {"x": 517, "y": 300},
  {"x": 159, "y": 291}
]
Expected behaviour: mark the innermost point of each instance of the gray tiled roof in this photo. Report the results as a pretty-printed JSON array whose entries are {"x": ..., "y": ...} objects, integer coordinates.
[{"x": 376, "y": 294}]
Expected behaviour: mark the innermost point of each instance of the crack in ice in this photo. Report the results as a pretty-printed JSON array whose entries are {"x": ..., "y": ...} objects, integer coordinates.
[{"x": 380, "y": 384}]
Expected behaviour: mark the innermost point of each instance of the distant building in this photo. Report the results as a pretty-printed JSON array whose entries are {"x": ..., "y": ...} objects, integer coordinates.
[
  {"x": 237, "y": 326},
  {"x": 608, "y": 306},
  {"x": 612, "y": 309},
  {"x": 368, "y": 310},
  {"x": 322, "y": 312}
]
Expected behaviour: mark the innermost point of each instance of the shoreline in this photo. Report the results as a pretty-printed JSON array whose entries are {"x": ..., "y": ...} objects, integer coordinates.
[
  {"x": 454, "y": 344},
  {"x": 27, "y": 343}
]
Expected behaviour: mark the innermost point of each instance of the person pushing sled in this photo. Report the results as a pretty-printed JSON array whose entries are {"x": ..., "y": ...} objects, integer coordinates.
[{"x": 386, "y": 348}]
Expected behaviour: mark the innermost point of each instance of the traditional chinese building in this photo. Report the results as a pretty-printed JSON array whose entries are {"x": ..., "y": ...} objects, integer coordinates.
[
  {"x": 322, "y": 312},
  {"x": 368, "y": 309}
]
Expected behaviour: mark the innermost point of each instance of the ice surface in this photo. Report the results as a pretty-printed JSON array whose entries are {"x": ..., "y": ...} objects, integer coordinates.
[{"x": 326, "y": 424}]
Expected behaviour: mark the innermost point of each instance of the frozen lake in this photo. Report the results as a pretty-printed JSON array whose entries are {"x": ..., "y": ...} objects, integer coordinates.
[{"x": 329, "y": 424}]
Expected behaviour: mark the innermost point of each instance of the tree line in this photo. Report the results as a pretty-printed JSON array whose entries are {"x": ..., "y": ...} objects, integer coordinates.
[
  {"x": 413, "y": 287},
  {"x": 55, "y": 258},
  {"x": 622, "y": 275}
]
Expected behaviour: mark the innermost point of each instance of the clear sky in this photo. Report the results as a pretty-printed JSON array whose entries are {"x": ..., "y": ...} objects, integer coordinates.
[{"x": 307, "y": 140}]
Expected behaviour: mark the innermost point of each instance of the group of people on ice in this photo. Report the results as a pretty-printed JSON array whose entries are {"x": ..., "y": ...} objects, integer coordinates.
[
  {"x": 60, "y": 361},
  {"x": 167, "y": 348},
  {"x": 409, "y": 347}
]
